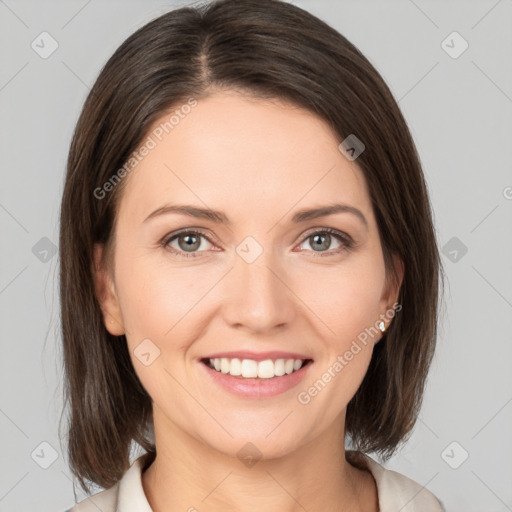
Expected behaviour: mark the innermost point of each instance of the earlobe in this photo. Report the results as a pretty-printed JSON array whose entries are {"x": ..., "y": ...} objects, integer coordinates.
[
  {"x": 391, "y": 295},
  {"x": 106, "y": 294}
]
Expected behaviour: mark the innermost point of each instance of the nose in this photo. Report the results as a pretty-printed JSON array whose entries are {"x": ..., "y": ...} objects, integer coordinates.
[{"x": 257, "y": 296}]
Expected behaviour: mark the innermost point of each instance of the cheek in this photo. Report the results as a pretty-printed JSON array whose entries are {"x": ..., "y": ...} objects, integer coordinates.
[
  {"x": 160, "y": 304},
  {"x": 345, "y": 298},
  {"x": 160, "y": 301},
  {"x": 345, "y": 303}
]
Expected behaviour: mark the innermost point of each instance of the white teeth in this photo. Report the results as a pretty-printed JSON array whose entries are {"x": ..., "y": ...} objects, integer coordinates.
[
  {"x": 224, "y": 365},
  {"x": 249, "y": 368},
  {"x": 266, "y": 369},
  {"x": 235, "y": 367},
  {"x": 279, "y": 368}
]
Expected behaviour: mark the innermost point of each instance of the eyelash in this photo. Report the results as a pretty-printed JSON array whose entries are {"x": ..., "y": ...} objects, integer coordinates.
[{"x": 339, "y": 235}]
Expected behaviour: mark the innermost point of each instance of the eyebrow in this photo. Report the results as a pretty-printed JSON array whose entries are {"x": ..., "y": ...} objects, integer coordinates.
[{"x": 221, "y": 218}]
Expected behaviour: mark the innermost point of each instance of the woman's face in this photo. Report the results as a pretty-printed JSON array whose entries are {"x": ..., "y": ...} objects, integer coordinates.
[{"x": 260, "y": 279}]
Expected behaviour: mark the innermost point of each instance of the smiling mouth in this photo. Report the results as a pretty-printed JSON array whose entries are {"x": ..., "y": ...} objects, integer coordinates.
[{"x": 251, "y": 369}]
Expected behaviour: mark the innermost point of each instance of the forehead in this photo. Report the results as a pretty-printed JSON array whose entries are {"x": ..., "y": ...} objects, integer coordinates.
[{"x": 252, "y": 155}]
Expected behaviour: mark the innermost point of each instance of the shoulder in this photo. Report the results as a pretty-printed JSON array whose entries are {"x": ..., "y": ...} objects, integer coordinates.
[
  {"x": 396, "y": 491},
  {"x": 127, "y": 495},
  {"x": 106, "y": 501}
]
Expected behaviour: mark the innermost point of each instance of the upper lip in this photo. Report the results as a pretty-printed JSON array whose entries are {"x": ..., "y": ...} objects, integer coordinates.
[{"x": 258, "y": 356}]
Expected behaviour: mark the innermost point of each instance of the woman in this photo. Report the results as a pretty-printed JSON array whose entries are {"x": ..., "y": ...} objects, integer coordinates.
[{"x": 249, "y": 271}]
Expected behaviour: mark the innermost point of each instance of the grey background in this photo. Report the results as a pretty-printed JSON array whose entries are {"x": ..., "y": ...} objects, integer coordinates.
[{"x": 459, "y": 111}]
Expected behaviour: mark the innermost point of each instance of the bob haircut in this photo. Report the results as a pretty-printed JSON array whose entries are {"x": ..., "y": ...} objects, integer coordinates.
[{"x": 268, "y": 49}]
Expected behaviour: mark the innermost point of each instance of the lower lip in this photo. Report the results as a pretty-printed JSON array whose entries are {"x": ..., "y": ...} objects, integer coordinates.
[{"x": 255, "y": 387}]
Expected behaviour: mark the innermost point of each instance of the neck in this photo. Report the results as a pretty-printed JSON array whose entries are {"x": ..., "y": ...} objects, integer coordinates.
[{"x": 190, "y": 475}]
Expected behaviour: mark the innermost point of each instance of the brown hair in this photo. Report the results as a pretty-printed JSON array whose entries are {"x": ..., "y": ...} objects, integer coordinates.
[{"x": 270, "y": 49}]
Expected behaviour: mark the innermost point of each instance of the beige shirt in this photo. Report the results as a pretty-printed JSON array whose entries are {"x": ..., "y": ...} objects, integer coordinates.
[{"x": 396, "y": 492}]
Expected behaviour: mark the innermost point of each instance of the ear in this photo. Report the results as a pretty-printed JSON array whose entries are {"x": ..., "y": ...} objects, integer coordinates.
[
  {"x": 392, "y": 291},
  {"x": 106, "y": 294}
]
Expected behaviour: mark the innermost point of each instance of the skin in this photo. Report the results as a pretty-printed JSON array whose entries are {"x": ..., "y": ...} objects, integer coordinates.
[{"x": 259, "y": 162}]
